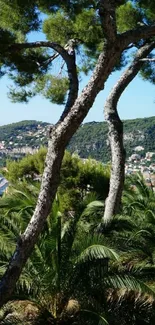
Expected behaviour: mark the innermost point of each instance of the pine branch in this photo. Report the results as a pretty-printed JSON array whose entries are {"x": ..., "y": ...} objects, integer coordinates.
[
  {"x": 107, "y": 13},
  {"x": 68, "y": 55},
  {"x": 148, "y": 59},
  {"x": 134, "y": 35}
]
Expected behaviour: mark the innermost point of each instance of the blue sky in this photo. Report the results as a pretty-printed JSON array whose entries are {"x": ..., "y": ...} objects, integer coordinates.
[{"x": 138, "y": 100}]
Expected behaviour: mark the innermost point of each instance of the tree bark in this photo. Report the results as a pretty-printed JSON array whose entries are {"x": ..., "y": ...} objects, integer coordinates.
[
  {"x": 115, "y": 125},
  {"x": 60, "y": 135},
  {"x": 112, "y": 203}
]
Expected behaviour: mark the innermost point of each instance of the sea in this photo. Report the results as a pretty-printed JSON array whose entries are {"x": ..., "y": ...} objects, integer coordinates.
[{"x": 3, "y": 184}]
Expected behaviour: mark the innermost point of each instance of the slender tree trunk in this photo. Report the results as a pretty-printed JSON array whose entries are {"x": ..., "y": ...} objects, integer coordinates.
[
  {"x": 113, "y": 200},
  {"x": 115, "y": 125},
  {"x": 60, "y": 135}
]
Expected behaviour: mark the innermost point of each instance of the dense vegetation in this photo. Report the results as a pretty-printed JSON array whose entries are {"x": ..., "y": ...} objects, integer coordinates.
[
  {"x": 77, "y": 275},
  {"x": 91, "y": 140},
  {"x": 77, "y": 174},
  {"x": 9, "y": 133}
]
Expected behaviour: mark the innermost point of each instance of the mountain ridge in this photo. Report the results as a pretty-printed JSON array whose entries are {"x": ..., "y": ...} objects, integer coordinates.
[{"x": 90, "y": 140}]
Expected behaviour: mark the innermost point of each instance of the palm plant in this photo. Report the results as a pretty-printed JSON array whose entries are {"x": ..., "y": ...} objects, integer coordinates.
[
  {"x": 133, "y": 236},
  {"x": 138, "y": 197},
  {"x": 72, "y": 271},
  {"x": 139, "y": 204},
  {"x": 53, "y": 274}
]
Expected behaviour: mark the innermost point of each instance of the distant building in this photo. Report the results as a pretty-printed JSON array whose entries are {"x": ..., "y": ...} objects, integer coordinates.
[
  {"x": 139, "y": 148},
  {"x": 19, "y": 137},
  {"x": 149, "y": 155},
  {"x": 134, "y": 157}
]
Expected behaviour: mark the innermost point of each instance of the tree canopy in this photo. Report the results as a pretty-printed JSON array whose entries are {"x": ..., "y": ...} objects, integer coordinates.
[
  {"x": 77, "y": 177},
  {"x": 36, "y": 68}
]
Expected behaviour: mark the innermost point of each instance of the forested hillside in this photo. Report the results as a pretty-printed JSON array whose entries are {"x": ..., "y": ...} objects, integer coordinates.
[
  {"x": 91, "y": 140},
  {"x": 24, "y": 130}
]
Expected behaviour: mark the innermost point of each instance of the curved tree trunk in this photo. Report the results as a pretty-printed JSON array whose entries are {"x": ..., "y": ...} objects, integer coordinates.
[
  {"x": 113, "y": 201},
  {"x": 60, "y": 135},
  {"x": 115, "y": 125}
]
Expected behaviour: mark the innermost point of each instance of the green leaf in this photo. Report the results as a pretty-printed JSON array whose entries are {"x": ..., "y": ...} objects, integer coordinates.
[
  {"x": 97, "y": 316},
  {"x": 95, "y": 252}
]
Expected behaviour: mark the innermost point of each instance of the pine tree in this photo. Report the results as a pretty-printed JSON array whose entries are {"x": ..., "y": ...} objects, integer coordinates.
[{"x": 101, "y": 32}]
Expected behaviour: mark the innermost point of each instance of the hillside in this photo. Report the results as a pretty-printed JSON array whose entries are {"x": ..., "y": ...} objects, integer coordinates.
[
  {"x": 23, "y": 133},
  {"x": 90, "y": 140}
]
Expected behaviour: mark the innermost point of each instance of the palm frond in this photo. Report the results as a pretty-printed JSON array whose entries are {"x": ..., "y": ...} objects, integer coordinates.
[
  {"x": 65, "y": 229},
  {"x": 94, "y": 315},
  {"x": 92, "y": 208},
  {"x": 7, "y": 243},
  {"x": 128, "y": 283},
  {"x": 95, "y": 252},
  {"x": 90, "y": 197}
]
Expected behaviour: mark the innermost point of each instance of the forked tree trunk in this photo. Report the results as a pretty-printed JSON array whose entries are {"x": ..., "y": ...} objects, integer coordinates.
[
  {"x": 115, "y": 125},
  {"x": 59, "y": 138}
]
